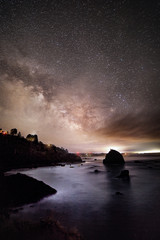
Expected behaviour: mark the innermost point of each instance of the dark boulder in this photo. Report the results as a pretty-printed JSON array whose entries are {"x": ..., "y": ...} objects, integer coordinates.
[
  {"x": 124, "y": 174},
  {"x": 113, "y": 157},
  {"x": 20, "y": 189},
  {"x": 119, "y": 193}
]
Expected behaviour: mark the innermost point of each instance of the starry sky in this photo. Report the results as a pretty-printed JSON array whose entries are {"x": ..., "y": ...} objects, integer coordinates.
[{"x": 84, "y": 75}]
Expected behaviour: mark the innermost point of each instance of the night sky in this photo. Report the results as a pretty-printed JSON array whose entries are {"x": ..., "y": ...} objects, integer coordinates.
[{"x": 84, "y": 75}]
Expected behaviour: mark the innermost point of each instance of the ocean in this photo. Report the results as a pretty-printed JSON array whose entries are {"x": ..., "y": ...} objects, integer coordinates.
[{"x": 97, "y": 203}]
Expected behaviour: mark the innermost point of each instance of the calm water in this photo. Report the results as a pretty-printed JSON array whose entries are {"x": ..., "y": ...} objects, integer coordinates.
[{"x": 87, "y": 200}]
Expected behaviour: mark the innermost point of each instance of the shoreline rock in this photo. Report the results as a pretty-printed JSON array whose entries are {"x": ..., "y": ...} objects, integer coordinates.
[
  {"x": 113, "y": 157},
  {"x": 20, "y": 189}
]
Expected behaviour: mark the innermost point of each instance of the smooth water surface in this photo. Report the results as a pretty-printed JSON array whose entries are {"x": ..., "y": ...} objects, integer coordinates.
[{"x": 88, "y": 201}]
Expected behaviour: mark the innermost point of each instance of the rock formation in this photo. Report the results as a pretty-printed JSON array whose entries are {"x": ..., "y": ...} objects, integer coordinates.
[
  {"x": 113, "y": 157},
  {"x": 20, "y": 189}
]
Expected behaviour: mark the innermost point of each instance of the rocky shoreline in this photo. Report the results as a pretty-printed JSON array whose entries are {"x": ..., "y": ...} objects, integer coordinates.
[
  {"x": 19, "y": 189},
  {"x": 18, "y": 152},
  {"x": 16, "y": 190}
]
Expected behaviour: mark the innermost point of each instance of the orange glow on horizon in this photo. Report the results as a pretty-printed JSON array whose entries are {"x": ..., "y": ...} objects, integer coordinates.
[
  {"x": 114, "y": 147},
  {"x": 149, "y": 151}
]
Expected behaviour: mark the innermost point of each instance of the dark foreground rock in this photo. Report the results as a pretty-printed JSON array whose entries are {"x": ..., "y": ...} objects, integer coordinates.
[
  {"x": 48, "y": 228},
  {"x": 113, "y": 157},
  {"x": 20, "y": 189}
]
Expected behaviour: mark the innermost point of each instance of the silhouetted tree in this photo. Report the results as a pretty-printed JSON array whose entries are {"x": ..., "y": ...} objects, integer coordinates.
[
  {"x": 54, "y": 148},
  {"x": 19, "y": 134},
  {"x": 13, "y": 131},
  {"x": 32, "y": 138}
]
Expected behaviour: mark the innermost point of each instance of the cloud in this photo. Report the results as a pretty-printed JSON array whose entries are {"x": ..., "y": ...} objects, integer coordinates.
[
  {"x": 73, "y": 120},
  {"x": 133, "y": 127}
]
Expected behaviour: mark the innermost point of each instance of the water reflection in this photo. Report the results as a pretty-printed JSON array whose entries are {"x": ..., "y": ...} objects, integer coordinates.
[{"x": 116, "y": 211}]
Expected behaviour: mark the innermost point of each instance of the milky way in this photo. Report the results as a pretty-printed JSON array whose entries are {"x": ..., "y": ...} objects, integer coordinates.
[{"x": 84, "y": 75}]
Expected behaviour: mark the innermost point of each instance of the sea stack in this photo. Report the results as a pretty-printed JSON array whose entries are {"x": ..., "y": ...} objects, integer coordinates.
[{"x": 113, "y": 157}]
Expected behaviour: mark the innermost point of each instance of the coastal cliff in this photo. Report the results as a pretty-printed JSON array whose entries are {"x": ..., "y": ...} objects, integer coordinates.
[{"x": 18, "y": 152}]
